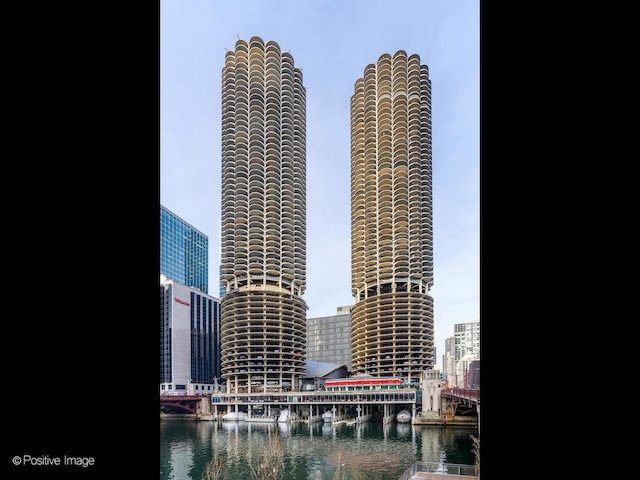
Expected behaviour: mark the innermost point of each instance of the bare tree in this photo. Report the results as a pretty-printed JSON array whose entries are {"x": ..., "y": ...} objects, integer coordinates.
[
  {"x": 476, "y": 453},
  {"x": 213, "y": 470},
  {"x": 350, "y": 467},
  {"x": 270, "y": 460}
]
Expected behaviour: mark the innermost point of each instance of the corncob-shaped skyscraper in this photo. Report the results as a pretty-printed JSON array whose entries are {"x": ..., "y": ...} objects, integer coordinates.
[
  {"x": 263, "y": 231},
  {"x": 391, "y": 219}
]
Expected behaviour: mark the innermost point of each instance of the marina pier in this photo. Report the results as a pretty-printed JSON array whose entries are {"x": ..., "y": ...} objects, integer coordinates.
[{"x": 349, "y": 400}]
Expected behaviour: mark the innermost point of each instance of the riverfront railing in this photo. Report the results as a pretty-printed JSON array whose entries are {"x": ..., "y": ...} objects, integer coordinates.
[{"x": 442, "y": 468}]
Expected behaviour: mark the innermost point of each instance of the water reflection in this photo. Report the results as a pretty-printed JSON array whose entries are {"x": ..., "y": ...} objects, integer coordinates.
[
  {"x": 403, "y": 429},
  {"x": 311, "y": 451}
]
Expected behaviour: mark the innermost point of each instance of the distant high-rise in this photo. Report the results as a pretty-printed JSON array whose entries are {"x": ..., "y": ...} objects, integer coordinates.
[
  {"x": 448, "y": 358},
  {"x": 391, "y": 219},
  {"x": 263, "y": 218},
  {"x": 466, "y": 340},
  {"x": 184, "y": 251},
  {"x": 329, "y": 338}
]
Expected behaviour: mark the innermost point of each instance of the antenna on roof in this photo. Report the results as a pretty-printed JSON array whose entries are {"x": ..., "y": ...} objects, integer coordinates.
[{"x": 238, "y": 36}]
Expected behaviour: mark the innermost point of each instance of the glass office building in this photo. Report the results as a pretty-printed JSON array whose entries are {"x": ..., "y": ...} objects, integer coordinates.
[
  {"x": 329, "y": 338},
  {"x": 184, "y": 251}
]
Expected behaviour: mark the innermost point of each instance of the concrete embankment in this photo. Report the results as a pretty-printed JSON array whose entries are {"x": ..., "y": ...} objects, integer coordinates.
[
  {"x": 189, "y": 416},
  {"x": 444, "y": 421}
]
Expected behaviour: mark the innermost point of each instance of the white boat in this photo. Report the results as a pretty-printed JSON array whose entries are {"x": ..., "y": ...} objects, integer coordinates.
[
  {"x": 287, "y": 416},
  {"x": 403, "y": 416},
  {"x": 389, "y": 418},
  {"x": 328, "y": 417},
  {"x": 234, "y": 416}
]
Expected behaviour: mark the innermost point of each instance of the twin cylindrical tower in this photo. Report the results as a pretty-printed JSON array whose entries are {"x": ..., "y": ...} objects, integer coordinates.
[{"x": 263, "y": 219}]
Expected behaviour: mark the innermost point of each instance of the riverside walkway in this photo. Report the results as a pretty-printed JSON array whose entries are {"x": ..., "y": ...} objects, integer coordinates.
[{"x": 439, "y": 471}]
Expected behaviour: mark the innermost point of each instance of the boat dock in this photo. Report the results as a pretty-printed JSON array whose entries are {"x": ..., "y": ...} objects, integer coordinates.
[{"x": 340, "y": 399}]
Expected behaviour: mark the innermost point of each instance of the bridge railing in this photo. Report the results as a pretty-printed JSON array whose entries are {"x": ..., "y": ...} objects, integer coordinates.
[
  {"x": 472, "y": 394},
  {"x": 435, "y": 467}
]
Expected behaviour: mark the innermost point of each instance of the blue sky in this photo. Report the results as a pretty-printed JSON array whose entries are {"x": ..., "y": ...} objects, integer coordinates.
[{"x": 332, "y": 41}]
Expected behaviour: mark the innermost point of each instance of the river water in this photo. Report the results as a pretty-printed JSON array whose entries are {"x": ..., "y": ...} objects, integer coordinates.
[{"x": 315, "y": 451}]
